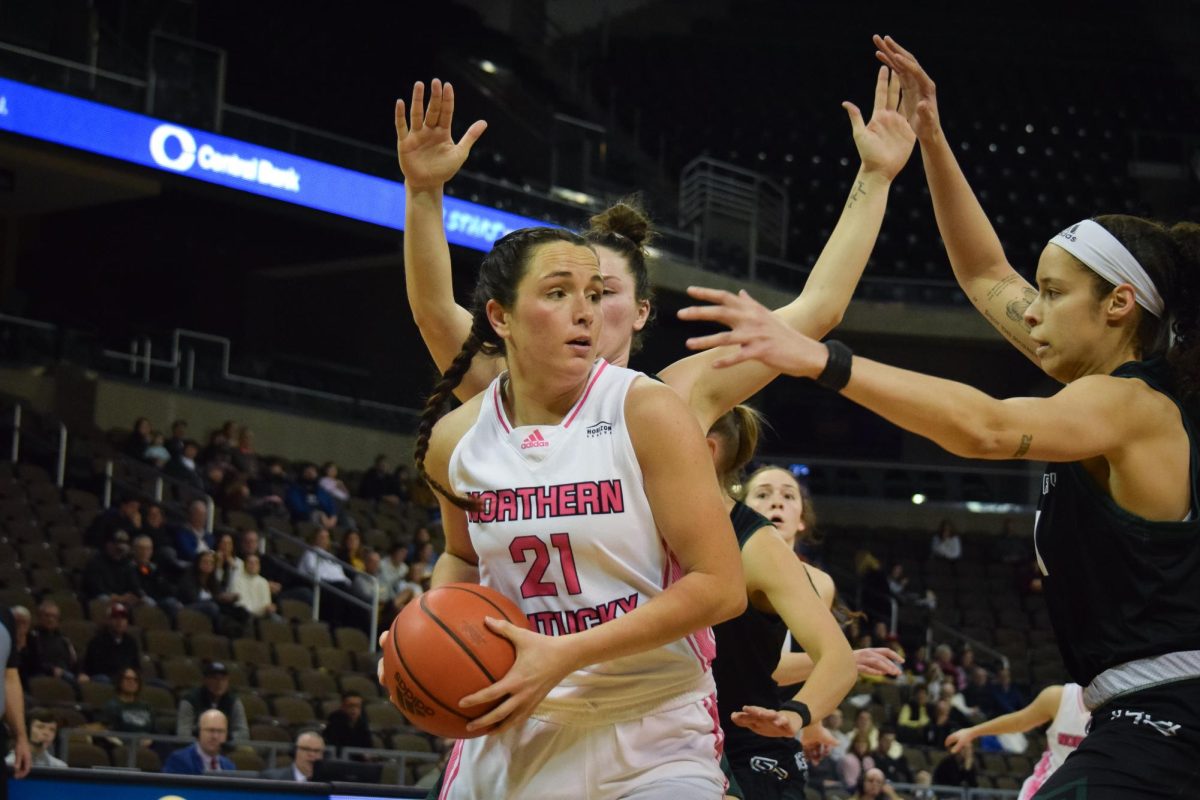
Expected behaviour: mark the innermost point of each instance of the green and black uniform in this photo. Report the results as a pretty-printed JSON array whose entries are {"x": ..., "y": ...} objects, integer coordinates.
[
  {"x": 748, "y": 650},
  {"x": 1124, "y": 598}
]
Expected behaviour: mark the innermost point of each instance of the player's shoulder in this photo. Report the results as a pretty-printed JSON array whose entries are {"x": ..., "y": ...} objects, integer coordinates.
[
  {"x": 650, "y": 396},
  {"x": 451, "y": 428}
]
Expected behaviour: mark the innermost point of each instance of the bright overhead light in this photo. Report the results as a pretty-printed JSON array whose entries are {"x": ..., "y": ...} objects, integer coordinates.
[
  {"x": 918, "y": 498},
  {"x": 488, "y": 67}
]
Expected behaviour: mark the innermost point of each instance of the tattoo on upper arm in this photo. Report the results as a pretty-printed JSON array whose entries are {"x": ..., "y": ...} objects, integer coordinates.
[
  {"x": 859, "y": 191},
  {"x": 1023, "y": 448},
  {"x": 1002, "y": 284},
  {"x": 1016, "y": 308}
]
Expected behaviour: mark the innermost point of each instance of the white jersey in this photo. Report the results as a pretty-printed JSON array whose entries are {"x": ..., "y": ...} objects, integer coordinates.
[
  {"x": 565, "y": 531},
  {"x": 1065, "y": 733}
]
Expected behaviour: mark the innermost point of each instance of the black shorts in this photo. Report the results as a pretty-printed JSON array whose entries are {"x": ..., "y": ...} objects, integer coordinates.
[
  {"x": 1142, "y": 745},
  {"x": 771, "y": 772}
]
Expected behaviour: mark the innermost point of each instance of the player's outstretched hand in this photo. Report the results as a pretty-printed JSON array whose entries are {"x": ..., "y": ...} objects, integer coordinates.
[
  {"x": 428, "y": 154},
  {"x": 755, "y": 332},
  {"x": 878, "y": 661},
  {"x": 818, "y": 742},
  {"x": 768, "y": 721},
  {"x": 542, "y": 661},
  {"x": 885, "y": 143},
  {"x": 918, "y": 100},
  {"x": 959, "y": 739}
]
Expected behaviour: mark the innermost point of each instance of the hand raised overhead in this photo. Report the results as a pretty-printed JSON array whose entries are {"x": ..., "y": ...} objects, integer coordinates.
[{"x": 428, "y": 154}]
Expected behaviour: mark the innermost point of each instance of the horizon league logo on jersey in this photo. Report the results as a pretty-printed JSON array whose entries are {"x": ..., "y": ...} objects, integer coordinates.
[{"x": 252, "y": 170}]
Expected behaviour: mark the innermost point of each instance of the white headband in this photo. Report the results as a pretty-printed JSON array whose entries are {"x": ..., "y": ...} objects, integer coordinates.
[{"x": 1104, "y": 255}]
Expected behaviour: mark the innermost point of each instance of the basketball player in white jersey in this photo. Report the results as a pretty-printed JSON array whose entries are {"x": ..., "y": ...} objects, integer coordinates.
[
  {"x": 585, "y": 492},
  {"x": 1061, "y": 706}
]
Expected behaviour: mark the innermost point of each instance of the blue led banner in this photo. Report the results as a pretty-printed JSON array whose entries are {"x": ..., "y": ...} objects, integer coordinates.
[{"x": 138, "y": 139}]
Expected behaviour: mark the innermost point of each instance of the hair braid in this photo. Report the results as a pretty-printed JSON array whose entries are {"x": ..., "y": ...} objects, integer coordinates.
[{"x": 433, "y": 411}]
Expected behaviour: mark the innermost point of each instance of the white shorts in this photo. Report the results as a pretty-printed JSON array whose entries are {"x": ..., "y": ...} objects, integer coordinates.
[{"x": 669, "y": 755}]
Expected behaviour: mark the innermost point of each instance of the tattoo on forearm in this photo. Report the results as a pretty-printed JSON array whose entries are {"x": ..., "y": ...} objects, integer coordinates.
[
  {"x": 859, "y": 191},
  {"x": 1023, "y": 448}
]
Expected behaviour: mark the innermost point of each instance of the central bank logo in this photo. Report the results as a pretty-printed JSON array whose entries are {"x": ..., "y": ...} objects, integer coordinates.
[{"x": 185, "y": 142}]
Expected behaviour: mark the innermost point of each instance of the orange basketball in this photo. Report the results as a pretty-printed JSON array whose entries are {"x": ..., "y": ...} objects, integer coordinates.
[{"x": 440, "y": 651}]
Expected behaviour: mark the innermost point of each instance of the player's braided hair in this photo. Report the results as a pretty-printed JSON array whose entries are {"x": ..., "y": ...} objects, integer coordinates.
[{"x": 499, "y": 274}]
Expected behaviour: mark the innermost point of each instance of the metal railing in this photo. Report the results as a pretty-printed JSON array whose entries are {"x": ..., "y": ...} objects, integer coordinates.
[
  {"x": 59, "y": 446},
  {"x": 976, "y": 645},
  {"x": 939, "y": 792}
]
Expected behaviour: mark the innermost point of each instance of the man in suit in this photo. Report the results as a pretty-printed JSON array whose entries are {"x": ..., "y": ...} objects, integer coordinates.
[
  {"x": 310, "y": 748},
  {"x": 204, "y": 756}
]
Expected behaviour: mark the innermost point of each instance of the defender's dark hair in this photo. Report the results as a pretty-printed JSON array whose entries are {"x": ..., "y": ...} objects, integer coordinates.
[
  {"x": 1171, "y": 257},
  {"x": 625, "y": 229},
  {"x": 737, "y": 431},
  {"x": 501, "y": 271}
]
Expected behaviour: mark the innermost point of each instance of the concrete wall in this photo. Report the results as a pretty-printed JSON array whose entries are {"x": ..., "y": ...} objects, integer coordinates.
[{"x": 81, "y": 398}]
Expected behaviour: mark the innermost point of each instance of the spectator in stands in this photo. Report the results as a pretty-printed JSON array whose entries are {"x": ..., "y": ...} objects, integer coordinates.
[
  {"x": 421, "y": 536},
  {"x": 351, "y": 550},
  {"x": 924, "y": 780},
  {"x": 214, "y": 480},
  {"x": 43, "y": 730},
  {"x": 918, "y": 665},
  {"x": 178, "y": 438},
  {"x": 139, "y": 439},
  {"x": 960, "y": 712},
  {"x": 946, "y": 543},
  {"x": 966, "y": 666},
  {"x": 154, "y": 525},
  {"x": 978, "y": 695},
  {"x": 889, "y": 757},
  {"x": 309, "y": 749},
  {"x": 331, "y": 483},
  {"x": 318, "y": 562},
  {"x": 126, "y": 515},
  {"x": 110, "y": 573},
  {"x": 205, "y": 755},
  {"x": 833, "y": 723},
  {"x": 200, "y": 590},
  {"x": 379, "y": 484},
  {"x": 47, "y": 650},
  {"x": 252, "y": 589},
  {"x": 426, "y": 556},
  {"x": 245, "y": 458},
  {"x": 193, "y": 536},
  {"x": 155, "y": 588},
  {"x": 284, "y": 585},
  {"x": 914, "y": 717},
  {"x": 941, "y": 723},
  {"x": 157, "y": 453},
  {"x": 272, "y": 486},
  {"x": 1006, "y": 698},
  {"x": 394, "y": 569},
  {"x": 182, "y": 467},
  {"x": 943, "y": 657},
  {"x": 219, "y": 449},
  {"x": 875, "y": 785},
  {"x": 125, "y": 712},
  {"x": 214, "y": 694},
  {"x": 228, "y": 565},
  {"x": 957, "y": 769},
  {"x": 308, "y": 502},
  {"x": 112, "y": 649},
  {"x": 864, "y": 725},
  {"x": 856, "y": 762},
  {"x": 404, "y": 483},
  {"x": 348, "y": 726}
]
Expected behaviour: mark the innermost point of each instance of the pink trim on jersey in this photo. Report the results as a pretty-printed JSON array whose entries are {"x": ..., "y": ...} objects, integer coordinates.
[
  {"x": 710, "y": 705},
  {"x": 586, "y": 392},
  {"x": 452, "y": 767},
  {"x": 703, "y": 643},
  {"x": 1041, "y": 773},
  {"x": 499, "y": 410}
]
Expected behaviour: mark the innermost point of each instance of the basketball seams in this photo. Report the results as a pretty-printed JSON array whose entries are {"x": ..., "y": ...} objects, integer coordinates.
[
  {"x": 484, "y": 598},
  {"x": 412, "y": 676},
  {"x": 454, "y": 637}
]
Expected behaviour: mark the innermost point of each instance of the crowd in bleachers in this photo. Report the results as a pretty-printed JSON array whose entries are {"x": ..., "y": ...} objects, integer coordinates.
[{"x": 136, "y": 620}]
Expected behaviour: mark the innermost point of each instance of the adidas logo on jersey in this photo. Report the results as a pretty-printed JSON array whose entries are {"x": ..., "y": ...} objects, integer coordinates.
[{"x": 534, "y": 439}]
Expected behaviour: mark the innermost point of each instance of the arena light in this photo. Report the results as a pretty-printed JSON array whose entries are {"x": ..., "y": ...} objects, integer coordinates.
[
  {"x": 488, "y": 67},
  {"x": 204, "y": 156},
  {"x": 918, "y": 499}
]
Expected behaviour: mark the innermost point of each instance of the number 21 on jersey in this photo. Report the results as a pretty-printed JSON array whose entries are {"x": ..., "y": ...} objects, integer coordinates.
[{"x": 534, "y": 586}]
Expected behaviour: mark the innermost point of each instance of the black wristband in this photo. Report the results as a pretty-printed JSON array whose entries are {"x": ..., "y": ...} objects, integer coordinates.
[
  {"x": 836, "y": 374},
  {"x": 801, "y": 709}
]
